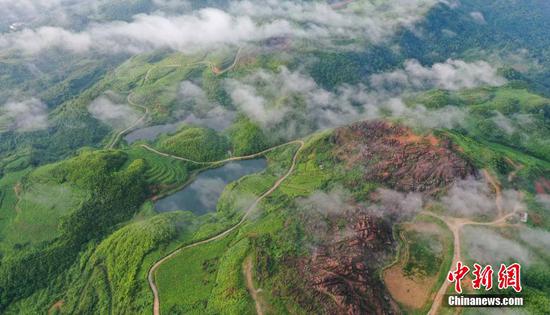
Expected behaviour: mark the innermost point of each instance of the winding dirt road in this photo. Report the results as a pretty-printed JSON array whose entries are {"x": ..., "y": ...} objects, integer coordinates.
[
  {"x": 247, "y": 270},
  {"x": 133, "y": 125},
  {"x": 145, "y": 110},
  {"x": 151, "y": 275},
  {"x": 236, "y": 158},
  {"x": 455, "y": 225}
]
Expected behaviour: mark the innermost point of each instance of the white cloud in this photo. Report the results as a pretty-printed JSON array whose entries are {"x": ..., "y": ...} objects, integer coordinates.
[
  {"x": 114, "y": 115},
  {"x": 201, "y": 111},
  {"x": 35, "y": 41},
  {"x": 472, "y": 197},
  {"x": 290, "y": 103},
  {"x": 544, "y": 200},
  {"x": 244, "y": 21},
  {"x": 486, "y": 246},
  {"x": 536, "y": 238},
  {"x": 469, "y": 198},
  {"x": 205, "y": 28},
  {"x": 478, "y": 17},
  {"x": 402, "y": 205},
  {"x": 372, "y": 20},
  {"x": 218, "y": 118},
  {"x": 450, "y": 75},
  {"x": 334, "y": 202},
  {"x": 26, "y": 115},
  {"x": 21, "y": 9}
]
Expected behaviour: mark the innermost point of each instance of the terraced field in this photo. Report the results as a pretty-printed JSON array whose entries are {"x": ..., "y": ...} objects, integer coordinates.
[{"x": 161, "y": 171}]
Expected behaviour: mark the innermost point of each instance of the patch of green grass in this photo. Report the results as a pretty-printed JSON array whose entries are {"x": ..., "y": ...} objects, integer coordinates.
[
  {"x": 186, "y": 281},
  {"x": 39, "y": 212},
  {"x": 229, "y": 295},
  {"x": 246, "y": 137},
  {"x": 423, "y": 257},
  {"x": 125, "y": 285},
  {"x": 314, "y": 168},
  {"x": 195, "y": 143},
  {"x": 8, "y": 200}
]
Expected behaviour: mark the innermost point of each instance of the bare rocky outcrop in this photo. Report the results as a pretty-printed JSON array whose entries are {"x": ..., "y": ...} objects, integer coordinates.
[
  {"x": 342, "y": 269},
  {"x": 395, "y": 156}
]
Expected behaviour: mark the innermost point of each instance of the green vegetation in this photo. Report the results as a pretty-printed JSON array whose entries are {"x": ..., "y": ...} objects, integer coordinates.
[
  {"x": 126, "y": 290},
  {"x": 424, "y": 251},
  {"x": 246, "y": 137},
  {"x": 196, "y": 268},
  {"x": 114, "y": 195},
  {"x": 194, "y": 143},
  {"x": 76, "y": 225},
  {"x": 161, "y": 171},
  {"x": 508, "y": 115},
  {"x": 485, "y": 154}
]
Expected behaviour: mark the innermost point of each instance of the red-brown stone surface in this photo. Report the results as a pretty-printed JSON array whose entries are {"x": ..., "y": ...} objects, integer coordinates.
[{"x": 398, "y": 158}]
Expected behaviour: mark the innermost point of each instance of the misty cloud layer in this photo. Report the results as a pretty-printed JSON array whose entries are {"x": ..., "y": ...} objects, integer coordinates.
[
  {"x": 451, "y": 75},
  {"x": 202, "y": 112},
  {"x": 473, "y": 197},
  {"x": 486, "y": 246},
  {"x": 244, "y": 21},
  {"x": 271, "y": 98},
  {"x": 115, "y": 115},
  {"x": 24, "y": 115}
]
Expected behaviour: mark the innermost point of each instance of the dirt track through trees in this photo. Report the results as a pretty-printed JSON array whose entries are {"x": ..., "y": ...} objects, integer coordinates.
[{"x": 247, "y": 270}]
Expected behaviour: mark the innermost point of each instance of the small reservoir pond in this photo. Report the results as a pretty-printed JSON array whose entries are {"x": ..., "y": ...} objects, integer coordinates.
[
  {"x": 201, "y": 196},
  {"x": 152, "y": 132}
]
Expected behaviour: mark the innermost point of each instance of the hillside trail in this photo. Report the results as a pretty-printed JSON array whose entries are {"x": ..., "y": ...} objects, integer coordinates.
[
  {"x": 145, "y": 109},
  {"x": 455, "y": 225},
  {"x": 235, "y": 158},
  {"x": 249, "y": 210},
  {"x": 56, "y": 306},
  {"x": 247, "y": 270},
  {"x": 496, "y": 186},
  {"x": 517, "y": 167},
  {"x": 18, "y": 190}
]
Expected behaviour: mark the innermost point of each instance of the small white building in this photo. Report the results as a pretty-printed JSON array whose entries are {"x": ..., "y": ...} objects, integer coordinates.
[{"x": 523, "y": 216}]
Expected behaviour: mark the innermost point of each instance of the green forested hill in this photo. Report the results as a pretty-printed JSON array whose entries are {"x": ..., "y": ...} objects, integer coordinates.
[{"x": 392, "y": 130}]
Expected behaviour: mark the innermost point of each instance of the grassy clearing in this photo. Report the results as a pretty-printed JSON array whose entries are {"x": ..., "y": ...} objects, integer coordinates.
[
  {"x": 33, "y": 203},
  {"x": 229, "y": 295},
  {"x": 8, "y": 201},
  {"x": 99, "y": 283},
  {"x": 186, "y": 281},
  {"x": 39, "y": 211},
  {"x": 314, "y": 168},
  {"x": 425, "y": 253}
]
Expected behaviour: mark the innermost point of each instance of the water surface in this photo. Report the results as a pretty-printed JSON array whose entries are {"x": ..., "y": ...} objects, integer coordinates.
[
  {"x": 152, "y": 132},
  {"x": 202, "y": 195}
]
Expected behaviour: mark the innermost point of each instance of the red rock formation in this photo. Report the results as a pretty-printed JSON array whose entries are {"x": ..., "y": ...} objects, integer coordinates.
[
  {"x": 342, "y": 272},
  {"x": 394, "y": 156}
]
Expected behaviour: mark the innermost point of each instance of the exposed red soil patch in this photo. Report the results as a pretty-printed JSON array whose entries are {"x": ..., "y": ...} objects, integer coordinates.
[
  {"x": 395, "y": 156},
  {"x": 542, "y": 186},
  {"x": 56, "y": 306},
  {"x": 341, "y": 271}
]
